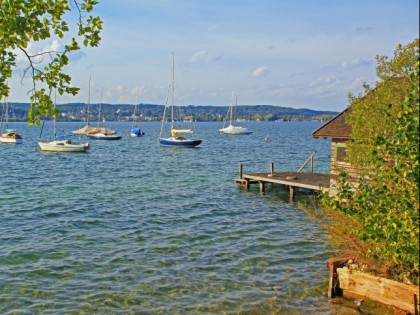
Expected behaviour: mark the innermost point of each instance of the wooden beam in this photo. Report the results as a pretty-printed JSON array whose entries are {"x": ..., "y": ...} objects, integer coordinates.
[
  {"x": 334, "y": 285},
  {"x": 385, "y": 291},
  {"x": 306, "y": 162}
]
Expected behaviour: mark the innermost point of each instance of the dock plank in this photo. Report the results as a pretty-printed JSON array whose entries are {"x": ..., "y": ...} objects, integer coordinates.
[{"x": 311, "y": 181}]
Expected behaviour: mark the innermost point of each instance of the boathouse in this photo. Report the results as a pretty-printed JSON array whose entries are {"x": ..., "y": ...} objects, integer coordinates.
[{"x": 340, "y": 133}]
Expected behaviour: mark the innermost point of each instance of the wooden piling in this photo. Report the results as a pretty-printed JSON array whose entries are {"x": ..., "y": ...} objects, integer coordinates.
[
  {"x": 240, "y": 171},
  {"x": 334, "y": 285},
  {"x": 271, "y": 169},
  {"x": 262, "y": 187},
  {"x": 292, "y": 193}
]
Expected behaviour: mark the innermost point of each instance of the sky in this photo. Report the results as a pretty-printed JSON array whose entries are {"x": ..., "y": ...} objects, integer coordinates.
[{"x": 300, "y": 54}]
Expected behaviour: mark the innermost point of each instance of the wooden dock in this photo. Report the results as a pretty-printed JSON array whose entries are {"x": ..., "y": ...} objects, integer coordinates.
[{"x": 291, "y": 180}]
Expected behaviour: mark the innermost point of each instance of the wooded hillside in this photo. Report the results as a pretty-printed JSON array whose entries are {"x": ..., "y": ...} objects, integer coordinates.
[{"x": 151, "y": 112}]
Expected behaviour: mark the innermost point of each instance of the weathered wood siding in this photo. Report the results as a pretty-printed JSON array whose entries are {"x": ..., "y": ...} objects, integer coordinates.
[
  {"x": 388, "y": 292},
  {"x": 338, "y": 146}
]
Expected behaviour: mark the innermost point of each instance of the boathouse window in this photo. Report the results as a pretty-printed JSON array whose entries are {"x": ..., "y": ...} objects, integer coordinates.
[{"x": 340, "y": 152}]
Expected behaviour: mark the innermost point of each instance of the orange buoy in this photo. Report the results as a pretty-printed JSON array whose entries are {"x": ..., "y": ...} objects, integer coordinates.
[
  {"x": 35, "y": 149},
  {"x": 266, "y": 138}
]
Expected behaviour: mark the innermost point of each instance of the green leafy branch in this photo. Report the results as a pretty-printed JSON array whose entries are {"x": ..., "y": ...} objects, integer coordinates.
[{"x": 23, "y": 22}]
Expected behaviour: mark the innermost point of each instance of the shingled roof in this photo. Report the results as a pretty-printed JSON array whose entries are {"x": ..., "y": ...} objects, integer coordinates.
[{"x": 334, "y": 128}]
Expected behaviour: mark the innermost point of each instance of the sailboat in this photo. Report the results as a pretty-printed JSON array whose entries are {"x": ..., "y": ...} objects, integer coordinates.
[
  {"x": 135, "y": 131},
  {"x": 232, "y": 129},
  {"x": 89, "y": 129},
  {"x": 175, "y": 140},
  {"x": 11, "y": 135},
  {"x": 102, "y": 133},
  {"x": 62, "y": 144}
]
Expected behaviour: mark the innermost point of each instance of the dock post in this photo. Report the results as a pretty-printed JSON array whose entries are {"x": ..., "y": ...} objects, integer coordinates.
[
  {"x": 312, "y": 164},
  {"x": 292, "y": 193},
  {"x": 240, "y": 171},
  {"x": 262, "y": 187},
  {"x": 271, "y": 168}
]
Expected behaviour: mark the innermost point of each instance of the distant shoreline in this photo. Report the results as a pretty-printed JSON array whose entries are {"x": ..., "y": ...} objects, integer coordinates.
[{"x": 78, "y": 112}]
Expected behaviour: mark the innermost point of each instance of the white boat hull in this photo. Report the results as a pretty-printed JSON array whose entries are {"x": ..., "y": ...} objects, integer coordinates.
[
  {"x": 11, "y": 140},
  {"x": 11, "y": 136},
  {"x": 63, "y": 146},
  {"x": 235, "y": 130}
]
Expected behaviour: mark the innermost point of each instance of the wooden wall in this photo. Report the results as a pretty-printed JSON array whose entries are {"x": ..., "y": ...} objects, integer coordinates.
[{"x": 337, "y": 147}]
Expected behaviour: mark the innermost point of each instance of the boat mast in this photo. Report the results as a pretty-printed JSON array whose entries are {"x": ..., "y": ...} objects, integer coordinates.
[
  {"x": 2, "y": 114},
  {"x": 135, "y": 109},
  {"x": 232, "y": 107},
  {"x": 55, "y": 104},
  {"x": 100, "y": 104},
  {"x": 236, "y": 103},
  {"x": 87, "y": 119},
  {"x": 173, "y": 88},
  {"x": 7, "y": 113}
]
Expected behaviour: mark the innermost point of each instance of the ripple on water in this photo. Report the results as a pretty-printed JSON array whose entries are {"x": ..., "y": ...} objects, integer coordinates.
[{"x": 132, "y": 227}]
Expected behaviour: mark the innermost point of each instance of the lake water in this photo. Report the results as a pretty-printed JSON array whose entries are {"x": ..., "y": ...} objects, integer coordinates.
[{"x": 136, "y": 228}]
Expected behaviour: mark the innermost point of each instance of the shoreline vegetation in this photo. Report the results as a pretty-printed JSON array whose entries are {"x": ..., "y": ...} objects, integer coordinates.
[
  {"x": 373, "y": 220},
  {"x": 75, "y": 112}
]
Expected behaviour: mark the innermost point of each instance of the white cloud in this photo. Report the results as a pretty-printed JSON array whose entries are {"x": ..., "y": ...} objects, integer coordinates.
[
  {"x": 54, "y": 46},
  {"x": 260, "y": 72},
  {"x": 203, "y": 56},
  {"x": 328, "y": 85},
  {"x": 357, "y": 62},
  {"x": 138, "y": 90},
  {"x": 119, "y": 89},
  {"x": 34, "y": 49},
  {"x": 356, "y": 84}
]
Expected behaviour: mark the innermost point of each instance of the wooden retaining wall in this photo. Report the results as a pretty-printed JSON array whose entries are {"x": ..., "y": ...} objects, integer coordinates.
[{"x": 356, "y": 284}]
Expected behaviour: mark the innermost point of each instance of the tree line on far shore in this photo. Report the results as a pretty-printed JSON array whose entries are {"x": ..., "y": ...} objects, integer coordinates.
[{"x": 151, "y": 112}]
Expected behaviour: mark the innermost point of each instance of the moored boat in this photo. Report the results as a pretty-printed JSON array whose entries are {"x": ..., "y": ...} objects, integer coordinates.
[
  {"x": 235, "y": 130},
  {"x": 11, "y": 136},
  {"x": 232, "y": 129},
  {"x": 65, "y": 145},
  {"x": 175, "y": 140},
  {"x": 135, "y": 131},
  {"x": 62, "y": 143},
  {"x": 103, "y": 136},
  {"x": 88, "y": 128}
]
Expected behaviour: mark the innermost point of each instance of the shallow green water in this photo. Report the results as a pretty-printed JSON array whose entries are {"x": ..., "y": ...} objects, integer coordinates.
[{"x": 136, "y": 228}]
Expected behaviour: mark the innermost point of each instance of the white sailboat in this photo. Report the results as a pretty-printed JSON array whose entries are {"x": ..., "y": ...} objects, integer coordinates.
[
  {"x": 232, "y": 129},
  {"x": 62, "y": 145},
  {"x": 174, "y": 140},
  {"x": 11, "y": 135}
]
